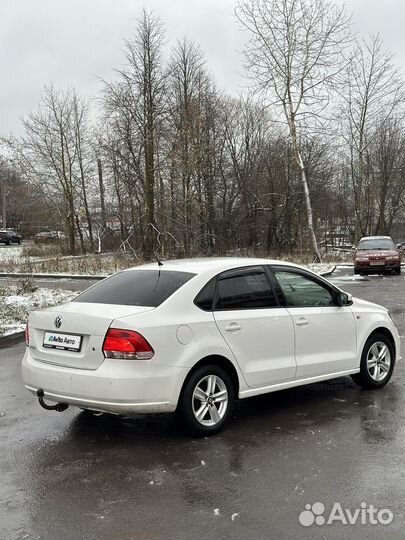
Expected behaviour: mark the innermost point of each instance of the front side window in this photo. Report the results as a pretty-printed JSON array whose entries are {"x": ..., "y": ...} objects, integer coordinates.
[
  {"x": 302, "y": 291},
  {"x": 136, "y": 288},
  {"x": 248, "y": 290}
]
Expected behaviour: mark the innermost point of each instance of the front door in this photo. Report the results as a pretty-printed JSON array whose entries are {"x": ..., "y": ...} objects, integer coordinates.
[{"x": 325, "y": 333}]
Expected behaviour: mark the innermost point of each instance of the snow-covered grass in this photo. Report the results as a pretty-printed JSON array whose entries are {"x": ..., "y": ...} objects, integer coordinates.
[
  {"x": 15, "y": 305},
  {"x": 320, "y": 268},
  {"x": 9, "y": 253},
  {"x": 48, "y": 259}
]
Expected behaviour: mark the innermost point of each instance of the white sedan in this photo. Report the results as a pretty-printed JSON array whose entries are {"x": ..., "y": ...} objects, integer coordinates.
[{"x": 191, "y": 336}]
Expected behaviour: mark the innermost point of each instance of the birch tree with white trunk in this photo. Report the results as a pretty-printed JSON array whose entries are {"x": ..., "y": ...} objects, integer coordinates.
[{"x": 293, "y": 55}]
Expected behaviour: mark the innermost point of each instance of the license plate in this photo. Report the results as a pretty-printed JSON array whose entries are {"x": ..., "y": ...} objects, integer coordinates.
[
  {"x": 64, "y": 342},
  {"x": 377, "y": 263}
]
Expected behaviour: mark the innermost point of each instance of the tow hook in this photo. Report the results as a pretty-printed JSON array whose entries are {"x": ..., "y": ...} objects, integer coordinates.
[{"x": 59, "y": 407}]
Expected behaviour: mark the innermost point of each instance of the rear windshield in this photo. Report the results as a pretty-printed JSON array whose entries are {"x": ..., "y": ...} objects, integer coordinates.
[
  {"x": 379, "y": 243},
  {"x": 136, "y": 288}
]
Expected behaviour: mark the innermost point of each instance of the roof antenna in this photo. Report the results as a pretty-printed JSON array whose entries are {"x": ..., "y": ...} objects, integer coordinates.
[
  {"x": 157, "y": 259},
  {"x": 159, "y": 244}
]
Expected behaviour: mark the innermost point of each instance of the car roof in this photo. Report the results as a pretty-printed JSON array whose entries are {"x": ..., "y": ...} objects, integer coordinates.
[{"x": 208, "y": 264}]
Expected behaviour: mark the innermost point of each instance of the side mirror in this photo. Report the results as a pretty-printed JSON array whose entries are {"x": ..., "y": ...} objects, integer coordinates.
[{"x": 344, "y": 299}]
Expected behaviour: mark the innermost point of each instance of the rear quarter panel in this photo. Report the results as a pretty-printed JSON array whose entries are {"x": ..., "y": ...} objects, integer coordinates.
[{"x": 180, "y": 338}]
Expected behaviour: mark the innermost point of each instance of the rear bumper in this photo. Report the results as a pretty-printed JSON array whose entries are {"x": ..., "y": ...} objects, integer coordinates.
[{"x": 117, "y": 386}]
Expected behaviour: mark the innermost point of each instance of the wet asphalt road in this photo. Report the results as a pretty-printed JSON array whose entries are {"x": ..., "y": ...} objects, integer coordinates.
[{"x": 70, "y": 477}]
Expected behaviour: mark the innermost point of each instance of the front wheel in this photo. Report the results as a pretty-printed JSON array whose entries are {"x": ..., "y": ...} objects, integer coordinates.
[
  {"x": 377, "y": 362},
  {"x": 207, "y": 400}
]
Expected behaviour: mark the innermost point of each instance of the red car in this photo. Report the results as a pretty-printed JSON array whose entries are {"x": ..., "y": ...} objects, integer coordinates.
[{"x": 377, "y": 255}]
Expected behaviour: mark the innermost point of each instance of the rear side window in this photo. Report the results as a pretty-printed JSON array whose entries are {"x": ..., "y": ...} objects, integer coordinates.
[
  {"x": 249, "y": 290},
  {"x": 136, "y": 288},
  {"x": 205, "y": 297}
]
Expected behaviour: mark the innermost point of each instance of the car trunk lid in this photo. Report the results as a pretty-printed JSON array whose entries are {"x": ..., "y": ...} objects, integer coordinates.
[{"x": 72, "y": 335}]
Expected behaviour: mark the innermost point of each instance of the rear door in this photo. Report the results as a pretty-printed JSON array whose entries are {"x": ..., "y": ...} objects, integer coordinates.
[
  {"x": 258, "y": 331},
  {"x": 325, "y": 333}
]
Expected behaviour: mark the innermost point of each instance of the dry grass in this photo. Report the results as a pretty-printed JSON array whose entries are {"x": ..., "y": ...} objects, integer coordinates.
[{"x": 49, "y": 259}]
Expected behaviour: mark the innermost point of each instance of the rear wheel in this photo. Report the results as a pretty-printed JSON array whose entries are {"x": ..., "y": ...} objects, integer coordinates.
[
  {"x": 377, "y": 362},
  {"x": 398, "y": 270},
  {"x": 207, "y": 400}
]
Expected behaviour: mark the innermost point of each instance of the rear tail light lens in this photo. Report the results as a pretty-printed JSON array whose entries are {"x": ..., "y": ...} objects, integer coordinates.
[
  {"x": 27, "y": 335},
  {"x": 126, "y": 345}
]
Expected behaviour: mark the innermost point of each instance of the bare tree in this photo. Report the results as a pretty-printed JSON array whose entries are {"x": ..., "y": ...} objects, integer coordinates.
[
  {"x": 48, "y": 154},
  {"x": 371, "y": 95},
  {"x": 294, "y": 52},
  {"x": 386, "y": 163},
  {"x": 140, "y": 96},
  {"x": 85, "y": 158},
  {"x": 56, "y": 157},
  {"x": 188, "y": 84}
]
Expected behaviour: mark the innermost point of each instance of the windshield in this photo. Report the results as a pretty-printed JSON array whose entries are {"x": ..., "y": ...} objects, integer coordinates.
[
  {"x": 379, "y": 243},
  {"x": 136, "y": 288}
]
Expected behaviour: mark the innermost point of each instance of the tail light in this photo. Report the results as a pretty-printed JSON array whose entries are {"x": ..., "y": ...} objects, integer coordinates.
[
  {"x": 27, "y": 335},
  {"x": 126, "y": 345}
]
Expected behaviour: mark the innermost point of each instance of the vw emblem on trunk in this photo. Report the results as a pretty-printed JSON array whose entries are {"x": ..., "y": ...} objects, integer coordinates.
[{"x": 58, "y": 321}]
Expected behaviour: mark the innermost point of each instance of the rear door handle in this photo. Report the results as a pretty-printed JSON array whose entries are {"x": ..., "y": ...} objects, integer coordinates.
[
  {"x": 301, "y": 321},
  {"x": 233, "y": 327}
]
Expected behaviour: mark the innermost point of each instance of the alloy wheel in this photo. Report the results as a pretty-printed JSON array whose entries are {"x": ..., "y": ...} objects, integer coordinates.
[
  {"x": 210, "y": 400},
  {"x": 378, "y": 361}
]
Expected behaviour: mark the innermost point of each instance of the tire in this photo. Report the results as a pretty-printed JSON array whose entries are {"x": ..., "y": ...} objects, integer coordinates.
[
  {"x": 189, "y": 404},
  {"x": 398, "y": 270},
  {"x": 356, "y": 271},
  {"x": 8, "y": 243},
  {"x": 376, "y": 375}
]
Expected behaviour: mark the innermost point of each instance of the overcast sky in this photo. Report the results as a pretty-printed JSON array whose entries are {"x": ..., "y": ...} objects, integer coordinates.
[{"x": 72, "y": 42}]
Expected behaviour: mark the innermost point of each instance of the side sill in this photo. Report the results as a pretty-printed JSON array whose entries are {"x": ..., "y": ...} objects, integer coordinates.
[{"x": 291, "y": 384}]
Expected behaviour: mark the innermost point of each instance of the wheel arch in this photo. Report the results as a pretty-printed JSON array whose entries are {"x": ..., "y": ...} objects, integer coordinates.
[
  {"x": 387, "y": 333},
  {"x": 216, "y": 360}
]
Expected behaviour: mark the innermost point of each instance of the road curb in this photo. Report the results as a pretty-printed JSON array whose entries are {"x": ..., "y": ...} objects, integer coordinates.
[{"x": 11, "y": 339}]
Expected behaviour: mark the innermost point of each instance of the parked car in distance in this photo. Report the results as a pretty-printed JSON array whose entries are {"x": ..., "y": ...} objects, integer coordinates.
[
  {"x": 377, "y": 254},
  {"x": 193, "y": 335},
  {"x": 9, "y": 236},
  {"x": 48, "y": 236}
]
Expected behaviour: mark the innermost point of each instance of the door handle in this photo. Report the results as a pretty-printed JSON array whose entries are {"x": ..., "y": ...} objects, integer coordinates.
[
  {"x": 233, "y": 327},
  {"x": 301, "y": 321}
]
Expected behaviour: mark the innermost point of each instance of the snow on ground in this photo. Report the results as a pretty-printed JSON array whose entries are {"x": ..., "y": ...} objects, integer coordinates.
[
  {"x": 320, "y": 268},
  {"x": 10, "y": 253},
  {"x": 15, "y": 307}
]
